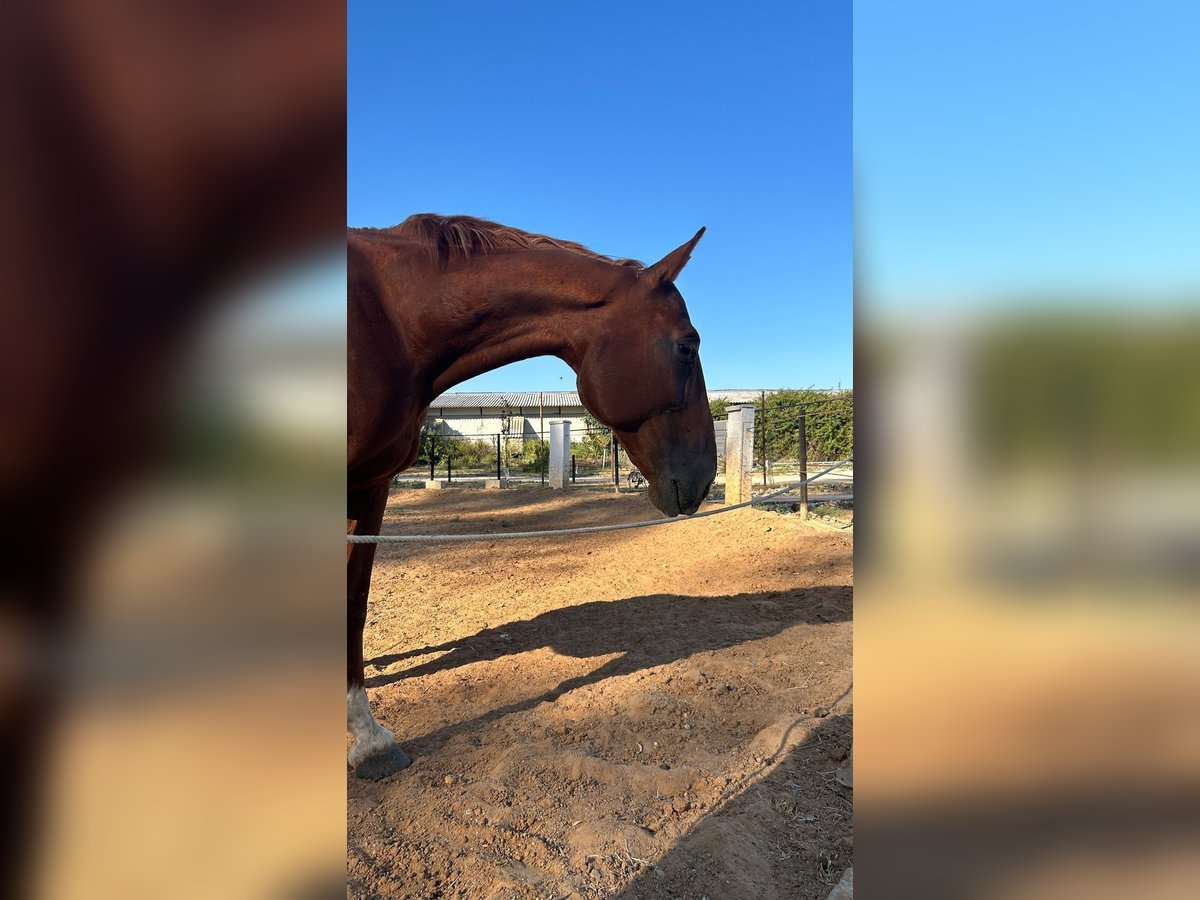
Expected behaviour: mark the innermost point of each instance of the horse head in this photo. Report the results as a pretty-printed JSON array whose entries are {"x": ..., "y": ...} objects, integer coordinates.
[{"x": 641, "y": 376}]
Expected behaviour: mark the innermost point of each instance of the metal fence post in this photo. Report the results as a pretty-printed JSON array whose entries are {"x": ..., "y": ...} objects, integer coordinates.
[
  {"x": 616, "y": 473},
  {"x": 572, "y": 468},
  {"x": 764, "y": 436},
  {"x": 803, "y": 465},
  {"x": 498, "y": 475}
]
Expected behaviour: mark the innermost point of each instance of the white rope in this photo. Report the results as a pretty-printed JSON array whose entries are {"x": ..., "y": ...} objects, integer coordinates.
[{"x": 593, "y": 529}]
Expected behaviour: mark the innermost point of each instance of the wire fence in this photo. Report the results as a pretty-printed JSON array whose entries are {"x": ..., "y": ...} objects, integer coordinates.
[
  {"x": 793, "y": 430},
  {"x": 595, "y": 457},
  {"x": 598, "y": 458}
]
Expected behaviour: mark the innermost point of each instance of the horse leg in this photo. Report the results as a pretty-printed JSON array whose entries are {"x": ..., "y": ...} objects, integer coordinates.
[{"x": 374, "y": 753}]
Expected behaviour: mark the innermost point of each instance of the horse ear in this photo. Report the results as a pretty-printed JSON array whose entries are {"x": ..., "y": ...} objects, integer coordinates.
[{"x": 669, "y": 267}]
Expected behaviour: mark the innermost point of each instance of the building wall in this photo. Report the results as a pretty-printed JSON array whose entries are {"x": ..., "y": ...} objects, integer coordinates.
[{"x": 471, "y": 423}]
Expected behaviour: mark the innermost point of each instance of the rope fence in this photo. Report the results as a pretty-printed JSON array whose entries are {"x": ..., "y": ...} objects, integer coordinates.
[{"x": 593, "y": 529}]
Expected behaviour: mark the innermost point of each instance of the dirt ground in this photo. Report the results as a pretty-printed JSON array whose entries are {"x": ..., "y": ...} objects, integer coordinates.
[{"x": 653, "y": 713}]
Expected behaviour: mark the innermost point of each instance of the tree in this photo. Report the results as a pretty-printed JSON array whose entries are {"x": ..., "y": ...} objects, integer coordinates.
[
  {"x": 431, "y": 445},
  {"x": 596, "y": 439}
]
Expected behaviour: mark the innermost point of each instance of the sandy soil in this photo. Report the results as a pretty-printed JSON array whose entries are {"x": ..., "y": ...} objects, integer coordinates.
[{"x": 648, "y": 713}]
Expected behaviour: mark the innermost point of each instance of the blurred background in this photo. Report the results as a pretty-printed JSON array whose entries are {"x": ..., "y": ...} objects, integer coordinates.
[
  {"x": 201, "y": 750},
  {"x": 172, "y": 205},
  {"x": 1027, "y": 352}
]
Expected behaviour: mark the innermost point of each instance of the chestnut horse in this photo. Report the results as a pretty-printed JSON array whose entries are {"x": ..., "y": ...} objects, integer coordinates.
[{"x": 437, "y": 300}]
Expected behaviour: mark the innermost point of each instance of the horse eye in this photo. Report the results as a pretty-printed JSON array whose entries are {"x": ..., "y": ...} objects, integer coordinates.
[{"x": 687, "y": 352}]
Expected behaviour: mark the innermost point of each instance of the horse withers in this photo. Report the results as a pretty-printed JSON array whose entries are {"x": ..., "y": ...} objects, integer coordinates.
[{"x": 436, "y": 300}]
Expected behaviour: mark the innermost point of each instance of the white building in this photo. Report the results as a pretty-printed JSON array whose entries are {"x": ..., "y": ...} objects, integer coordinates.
[{"x": 480, "y": 415}]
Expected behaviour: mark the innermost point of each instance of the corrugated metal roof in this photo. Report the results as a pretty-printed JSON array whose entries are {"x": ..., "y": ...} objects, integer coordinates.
[
  {"x": 457, "y": 400},
  {"x": 743, "y": 396},
  {"x": 555, "y": 399}
]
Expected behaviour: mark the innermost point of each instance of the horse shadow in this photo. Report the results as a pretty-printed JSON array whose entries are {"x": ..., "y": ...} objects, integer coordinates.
[{"x": 647, "y": 631}]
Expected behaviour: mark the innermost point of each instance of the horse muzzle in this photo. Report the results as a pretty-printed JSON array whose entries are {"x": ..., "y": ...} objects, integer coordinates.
[{"x": 679, "y": 497}]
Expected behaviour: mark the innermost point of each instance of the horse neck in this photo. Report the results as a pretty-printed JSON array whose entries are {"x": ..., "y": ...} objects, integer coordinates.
[{"x": 512, "y": 306}]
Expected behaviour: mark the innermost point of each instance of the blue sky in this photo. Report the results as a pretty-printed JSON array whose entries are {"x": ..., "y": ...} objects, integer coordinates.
[
  {"x": 626, "y": 127},
  {"x": 1026, "y": 150}
]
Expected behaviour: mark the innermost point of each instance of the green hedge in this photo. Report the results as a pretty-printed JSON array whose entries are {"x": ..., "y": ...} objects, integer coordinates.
[{"x": 829, "y": 422}]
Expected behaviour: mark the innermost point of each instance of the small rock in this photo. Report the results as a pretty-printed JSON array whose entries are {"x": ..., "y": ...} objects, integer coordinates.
[
  {"x": 663, "y": 766},
  {"x": 687, "y": 727},
  {"x": 845, "y": 776},
  {"x": 844, "y": 889},
  {"x": 820, "y": 712},
  {"x": 451, "y": 779},
  {"x": 679, "y": 804}
]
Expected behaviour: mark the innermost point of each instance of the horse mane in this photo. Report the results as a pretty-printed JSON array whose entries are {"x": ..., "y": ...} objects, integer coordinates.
[{"x": 462, "y": 237}]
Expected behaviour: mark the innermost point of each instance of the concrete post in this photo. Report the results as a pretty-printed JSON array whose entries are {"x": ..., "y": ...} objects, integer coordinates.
[
  {"x": 560, "y": 454},
  {"x": 739, "y": 453}
]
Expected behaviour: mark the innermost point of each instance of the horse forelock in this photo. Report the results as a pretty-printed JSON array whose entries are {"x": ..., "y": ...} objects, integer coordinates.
[{"x": 463, "y": 237}]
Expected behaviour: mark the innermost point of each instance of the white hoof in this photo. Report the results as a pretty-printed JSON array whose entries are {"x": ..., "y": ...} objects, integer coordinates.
[{"x": 374, "y": 753}]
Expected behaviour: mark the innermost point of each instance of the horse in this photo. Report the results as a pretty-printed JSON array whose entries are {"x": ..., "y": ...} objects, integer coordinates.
[{"x": 436, "y": 300}]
